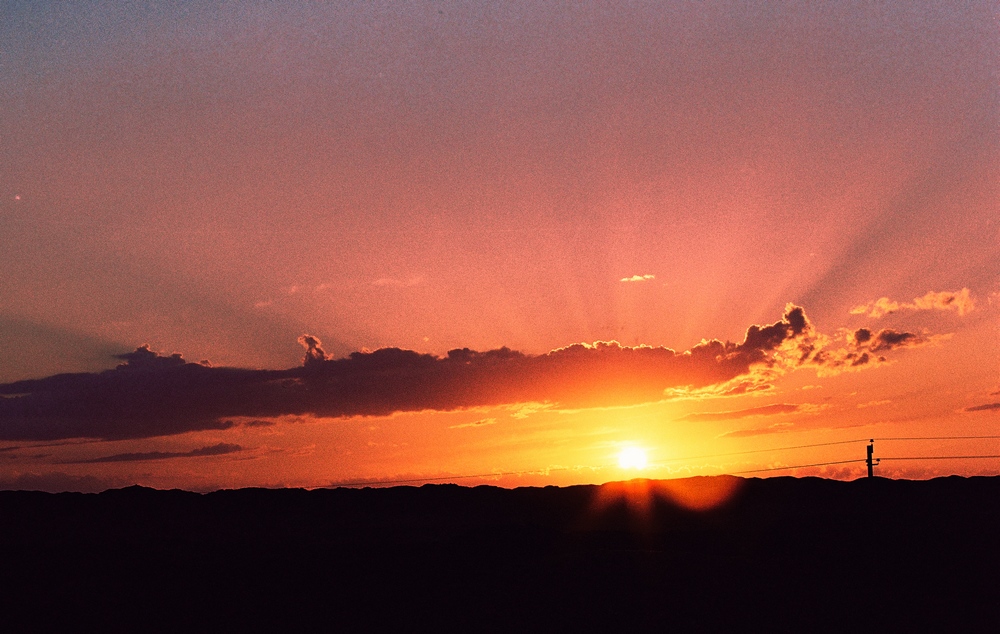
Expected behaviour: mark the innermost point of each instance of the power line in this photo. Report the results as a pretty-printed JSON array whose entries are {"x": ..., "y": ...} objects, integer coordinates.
[
  {"x": 939, "y": 457},
  {"x": 821, "y": 444},
  {"x": 800, "y": 466},
  {"x": 939, "y": 438},
  {"x": 500, "y": 474},
  {"x": 749, "y": 451}
]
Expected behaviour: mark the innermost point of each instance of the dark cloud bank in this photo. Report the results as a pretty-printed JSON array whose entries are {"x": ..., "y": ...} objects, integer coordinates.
[{"x": 152, "y": 395}]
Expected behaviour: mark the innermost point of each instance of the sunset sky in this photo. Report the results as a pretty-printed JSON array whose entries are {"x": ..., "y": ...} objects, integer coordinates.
[{"x": 302, "y": 244}]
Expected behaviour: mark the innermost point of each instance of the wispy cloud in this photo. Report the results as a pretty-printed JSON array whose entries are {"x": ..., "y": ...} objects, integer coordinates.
[
  {"x": 873, "y": 404},
  {"x": 213, "y": 450},
  {"x": 476, "y": 423},
  {"x": 524, "y": 410},
  {"x": 777, "y": 428},
  {"x": 983, "y": 408},
  {"x": 766, "y": 410},
  {"x": 959, "y": 301},
  {"x": 638, "y": 278}
]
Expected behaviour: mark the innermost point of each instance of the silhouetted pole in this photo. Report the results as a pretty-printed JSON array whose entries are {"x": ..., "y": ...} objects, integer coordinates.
[{"x": 871, "y": 463}]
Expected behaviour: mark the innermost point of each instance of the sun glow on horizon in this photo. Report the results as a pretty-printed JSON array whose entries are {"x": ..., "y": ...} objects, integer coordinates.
[{"x": 632, "y": 458}]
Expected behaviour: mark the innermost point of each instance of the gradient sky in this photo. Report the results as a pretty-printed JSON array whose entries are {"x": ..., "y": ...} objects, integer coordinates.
[{"x": 218, "y": 179}]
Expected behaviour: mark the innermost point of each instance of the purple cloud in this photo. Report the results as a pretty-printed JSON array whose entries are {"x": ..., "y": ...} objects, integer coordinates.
[{"x": 154, "y": 395}]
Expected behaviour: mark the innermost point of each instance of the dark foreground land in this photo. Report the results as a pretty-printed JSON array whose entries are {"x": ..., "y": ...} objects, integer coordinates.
[{"x": 783, "y": 555}]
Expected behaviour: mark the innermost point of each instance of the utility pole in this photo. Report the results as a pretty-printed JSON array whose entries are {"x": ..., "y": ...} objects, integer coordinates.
[{"x": 869, "y": 461}]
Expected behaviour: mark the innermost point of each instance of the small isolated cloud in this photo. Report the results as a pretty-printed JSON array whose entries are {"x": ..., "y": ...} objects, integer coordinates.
[
  {"x": 766, "y": 410},
  {"x": 983, "y": 408},
  {"x": 958, "y": 301},
  {"x": 476, "y": 423},
  {"x": 214, "y": 450},
  {"x": 638, "y": 278}
]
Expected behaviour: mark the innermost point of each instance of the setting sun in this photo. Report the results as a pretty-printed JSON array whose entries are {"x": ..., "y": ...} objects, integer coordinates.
[{"x": 632, "y": 458}]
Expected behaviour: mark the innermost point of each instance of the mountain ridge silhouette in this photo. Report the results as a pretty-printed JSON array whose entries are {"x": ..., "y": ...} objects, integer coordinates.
[{"x": 781, "y": 554}]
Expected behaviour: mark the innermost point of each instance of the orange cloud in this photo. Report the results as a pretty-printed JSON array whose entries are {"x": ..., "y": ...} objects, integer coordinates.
[
  {"x": 865, "y": 349},
  {"x": 476, "y": 423},
  {"x": 152, "y": 395},
  {"x": 766, "y": 410},
  {"x": 776, "y": 428},
  {"x": 959, "y": 301},
  {"x": 638, "y": 278}
]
